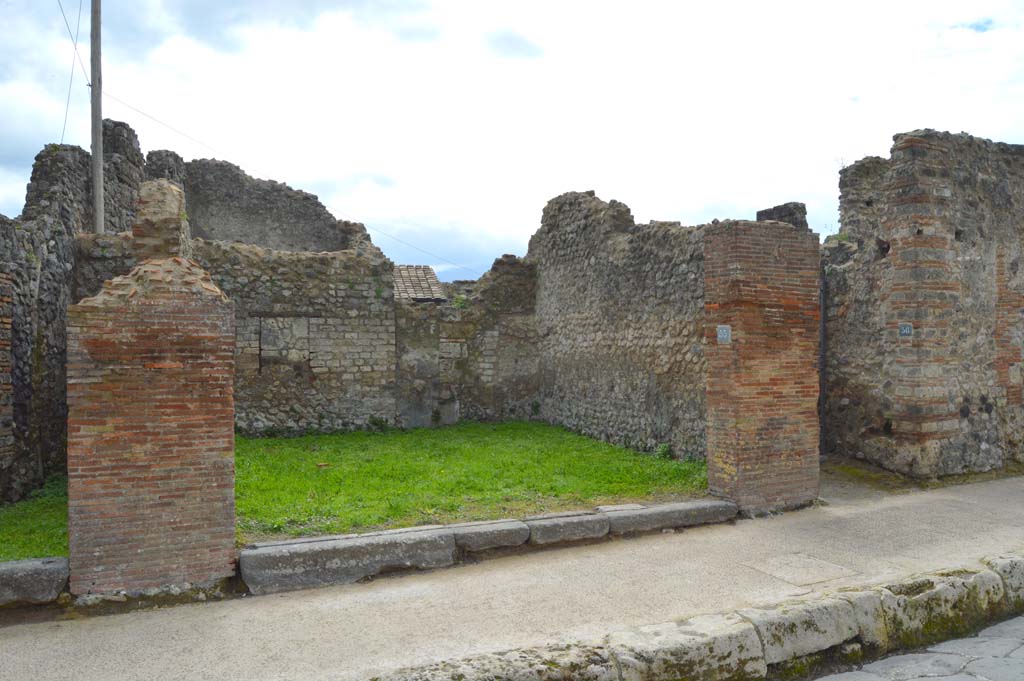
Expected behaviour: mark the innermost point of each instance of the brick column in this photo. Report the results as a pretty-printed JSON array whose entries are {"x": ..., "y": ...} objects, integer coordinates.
[
  {"x": 151, "y": 432},
  {"x": 6, "y": 396},
  {"x": 919, "y": 302},
  {"x": 762, "y": 337}
]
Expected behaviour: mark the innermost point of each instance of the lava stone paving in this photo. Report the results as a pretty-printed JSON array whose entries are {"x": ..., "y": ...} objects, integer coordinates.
[{"x": 996, "y": 654}]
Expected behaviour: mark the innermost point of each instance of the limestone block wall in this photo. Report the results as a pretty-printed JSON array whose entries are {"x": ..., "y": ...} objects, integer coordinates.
[
  {"x": 761, "y": 337},
  {"x": 925, "y": 325},
  {"x": 316, "y": 336},
  {"x": 620, "y": 313},
  {"x": 150, "y": 432}
]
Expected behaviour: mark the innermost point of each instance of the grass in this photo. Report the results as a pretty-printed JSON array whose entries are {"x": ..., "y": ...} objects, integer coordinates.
[
  {"x": 38, "y": 526},
  {"x": 361, "y": 481},
  {"x": 472, "y": 471}
]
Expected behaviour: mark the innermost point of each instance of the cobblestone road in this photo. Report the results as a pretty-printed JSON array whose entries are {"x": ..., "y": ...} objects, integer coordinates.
[{"x": 996, "y": 654}]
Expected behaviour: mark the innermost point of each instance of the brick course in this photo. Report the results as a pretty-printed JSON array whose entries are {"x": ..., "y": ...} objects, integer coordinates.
[
  {"x": 151, "y": 432},
  {"x": 761, "y": 279}
]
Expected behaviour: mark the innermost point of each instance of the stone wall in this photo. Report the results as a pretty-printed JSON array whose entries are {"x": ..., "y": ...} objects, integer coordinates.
[
  {"x": 474, "y": 355},
  {"x": 924, "y": 323},
  {"x": 150, "y": 432},
  {"x": 225, "y": 204},
  {"x": 39, "y": 247},
  {"x": 316, "y": 336},
  {"x": 761, "y": 338},
  {"x": 620, "y": 311}
]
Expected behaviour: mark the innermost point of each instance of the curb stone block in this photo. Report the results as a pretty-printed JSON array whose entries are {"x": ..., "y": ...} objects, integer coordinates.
[
  {"x": 579, "y": 662},
  {"x": 489, "y": 534},
  {"x": 703, "y": 648},
  {"x": 799, "y": 629},
  {"x": 560, "y": 527},
  {"x": 285, "y": 567},
  {"x": 870, "y": 620},
  {"x": 925, "y": 611},
  {"x": 684, "y": 514},
  {"x": 34, "y": 581},
  {"x": 1010, "y": 569}
]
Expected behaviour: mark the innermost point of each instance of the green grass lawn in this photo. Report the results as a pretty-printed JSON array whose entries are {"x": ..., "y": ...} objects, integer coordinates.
[
  {"x": 38, "y": 526},
  {"x": 472, "y": 471},
  {"x": 321, "y": 484}
]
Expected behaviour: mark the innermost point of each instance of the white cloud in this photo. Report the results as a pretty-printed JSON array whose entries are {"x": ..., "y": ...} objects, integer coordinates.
[{"x": 680, "y": 110}]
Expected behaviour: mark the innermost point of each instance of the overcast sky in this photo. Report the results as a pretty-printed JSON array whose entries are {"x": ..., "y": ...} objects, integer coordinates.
[{"x": 450, "y": 124}]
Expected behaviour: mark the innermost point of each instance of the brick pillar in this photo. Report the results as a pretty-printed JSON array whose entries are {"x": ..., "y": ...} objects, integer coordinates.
[
  {"x": 919, "y": 303},
  {"x": 161, "y": 225},
  {"x": 6, "y": 395},
  {"x": 762, "y": 336},
  {"x": 151, "y": 432}
]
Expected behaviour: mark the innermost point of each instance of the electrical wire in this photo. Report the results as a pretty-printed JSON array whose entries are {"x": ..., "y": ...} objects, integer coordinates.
[
  {"x": 71, "y": 35},
  {"x": 71, "y": 78},
  {"x": 207, "y": 146}
]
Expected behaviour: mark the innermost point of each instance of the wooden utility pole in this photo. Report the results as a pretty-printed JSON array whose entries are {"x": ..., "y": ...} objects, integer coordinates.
[{"x": 97, "y": 120}]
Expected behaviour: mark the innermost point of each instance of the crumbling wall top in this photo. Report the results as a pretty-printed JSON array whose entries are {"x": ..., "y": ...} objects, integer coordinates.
[{"x": 226, "y": 204}]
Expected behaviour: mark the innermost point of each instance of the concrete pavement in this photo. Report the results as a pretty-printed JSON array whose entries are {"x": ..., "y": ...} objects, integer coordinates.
[{"x": 356, "y": 631}]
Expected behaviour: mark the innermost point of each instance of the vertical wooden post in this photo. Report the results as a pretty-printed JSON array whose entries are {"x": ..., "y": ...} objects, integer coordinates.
[{"x": 97, "y": 119}]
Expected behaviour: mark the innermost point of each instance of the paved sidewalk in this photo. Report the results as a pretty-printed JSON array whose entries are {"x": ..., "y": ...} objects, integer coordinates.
[
  {"x": 360, "y": 630},
  {"x": 996, "y": 654}
]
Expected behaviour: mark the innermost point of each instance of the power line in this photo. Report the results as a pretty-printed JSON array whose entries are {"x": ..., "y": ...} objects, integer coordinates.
[
  {"x": 200, "y": 142},
  {"x": 71, "y": 35},
  {"x": 71, "y": 78},
  {"x": 421, "y": 250},
  {"x": 157, "y": 120}
]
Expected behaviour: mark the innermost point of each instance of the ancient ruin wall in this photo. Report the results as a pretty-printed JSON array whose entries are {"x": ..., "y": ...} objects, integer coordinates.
[
  {"x": 316, "y": 336},
  {"x": 928, "y": 260},
  {"x": 473, "y": 356},
  {"x": 39, "y": 248},
  {"x": 225, "y": 204},
  {"x": 620, "y": 309},
  {"x": 855, "y": 408}
]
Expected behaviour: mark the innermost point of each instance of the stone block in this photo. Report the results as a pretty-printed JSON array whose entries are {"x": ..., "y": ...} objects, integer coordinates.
[
  {"x": 685, "y": 514},
  {"x": 703, "y": 648},
  {"x": 870, "y": 619},
  {"x": 1010, "y": 569},
  {"x": 567, "y": 527},
  {"x": 32, "y": 581},
  {"x": 792, "y": 631},
  {"x": 489, "y": 534},
  {"x": 286, "y": 566},
  {"x": 934, "y": 608},
  {"x": 577, "y": 661}
]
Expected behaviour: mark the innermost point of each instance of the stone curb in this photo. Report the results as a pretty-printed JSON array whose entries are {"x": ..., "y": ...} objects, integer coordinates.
[
  {"x": 685, "y": 514},
  {"x": 320, "y": 561},
  {"x": 798, "y": 639},
  {"x": 285, "y": 567},
  {"x": 32, "y": 582}
]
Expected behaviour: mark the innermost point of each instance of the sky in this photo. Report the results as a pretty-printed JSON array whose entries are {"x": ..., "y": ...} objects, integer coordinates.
[{"x": 446, "y": 126}]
